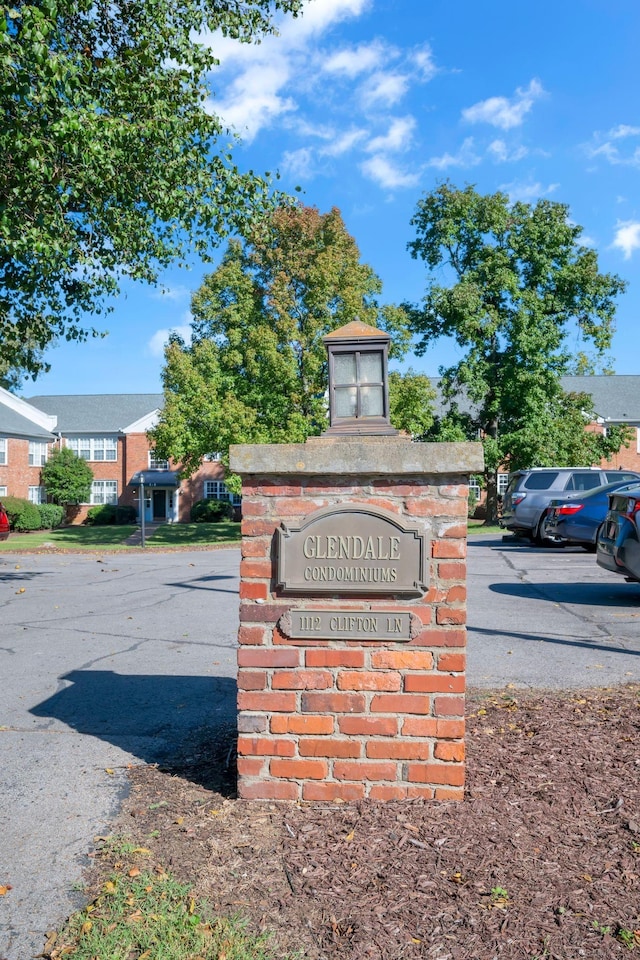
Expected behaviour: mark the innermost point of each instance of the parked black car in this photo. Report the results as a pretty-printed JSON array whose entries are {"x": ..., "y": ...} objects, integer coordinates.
[
  {"x": 577, "y": 520},
  {"x": 618, "y": 547}
]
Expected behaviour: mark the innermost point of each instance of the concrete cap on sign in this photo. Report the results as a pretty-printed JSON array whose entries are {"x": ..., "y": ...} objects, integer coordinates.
[
  {"x": 395, "y": 456},
  {"x": 356, "y": 330}
]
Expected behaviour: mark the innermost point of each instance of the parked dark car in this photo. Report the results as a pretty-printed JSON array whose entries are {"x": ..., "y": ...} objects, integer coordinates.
[
  {"x": 4, "y": 523},
  {"x": 577, "y": 520},
  {"x": 530, "y": 492},
  {"x": 618, "y": 547}
]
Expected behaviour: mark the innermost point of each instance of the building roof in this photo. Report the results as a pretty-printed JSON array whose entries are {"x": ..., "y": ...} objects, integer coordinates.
[
  {"x": 616, "y": 398},
  {"x": 99, "y": 412},
  {"x": 13, "y": 424}
]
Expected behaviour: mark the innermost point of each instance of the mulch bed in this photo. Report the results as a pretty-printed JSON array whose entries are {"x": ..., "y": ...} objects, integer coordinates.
[{"x": 542, "y": 859}]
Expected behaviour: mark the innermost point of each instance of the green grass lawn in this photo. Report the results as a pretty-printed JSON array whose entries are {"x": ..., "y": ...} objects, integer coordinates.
[
  {"x": 113, "y": 537},
  {"x": 170, "y": 535}
]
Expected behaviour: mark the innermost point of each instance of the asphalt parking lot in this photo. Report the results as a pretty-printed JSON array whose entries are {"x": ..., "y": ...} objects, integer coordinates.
[{"x": 120, "y": 659}]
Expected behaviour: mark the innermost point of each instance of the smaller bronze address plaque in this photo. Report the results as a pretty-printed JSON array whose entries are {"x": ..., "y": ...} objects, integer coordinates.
[
  {"x": 352, "y": 550},
  {"x": 350, "y": 624}
]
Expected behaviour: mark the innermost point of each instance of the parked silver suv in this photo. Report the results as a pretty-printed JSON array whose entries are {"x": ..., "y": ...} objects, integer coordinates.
[{"x": 530, "y": 492}]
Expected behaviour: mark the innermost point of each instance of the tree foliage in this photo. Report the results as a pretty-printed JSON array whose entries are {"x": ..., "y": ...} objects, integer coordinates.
[
  {"x": 113, "y": 163},
  {"x": 524, "y": 297},
  {"x": 256, "y": 368},
  {"x": 67, "y": 477}
]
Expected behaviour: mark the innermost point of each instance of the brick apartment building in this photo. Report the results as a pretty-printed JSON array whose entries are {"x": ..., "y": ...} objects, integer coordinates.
[{"x": 110, "y": 431}]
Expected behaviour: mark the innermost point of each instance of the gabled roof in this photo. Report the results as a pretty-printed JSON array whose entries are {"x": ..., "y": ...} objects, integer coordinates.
[
  {"x": 99, "y": 412},
  {"x": 19, "y": 419},
  {"x": 13, "y": 424},
  {"x": 616, "y": 398}
]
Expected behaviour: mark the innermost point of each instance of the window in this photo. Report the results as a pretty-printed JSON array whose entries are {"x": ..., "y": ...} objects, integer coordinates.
[
  {"x": 94, "y": 448},
  {"x": 37, "y": 495},
  {"x": 37, "y": 455},
  {"x": 584, "y": 481},
  {"x": 3, "y": 449},
  {"x": 474, "y": 488},
  {"x": 104, "y": 491},
  {"x": 217, "y": 490},
  {"x": 540, "y": 481},
  {"x": 3, "y": 491},
  {"x": 503, "y": 483},
  {"x": 156, "y": 463}
]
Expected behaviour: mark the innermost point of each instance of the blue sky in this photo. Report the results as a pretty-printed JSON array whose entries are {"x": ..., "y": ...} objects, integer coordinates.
[{"x": 368, "y": 104}]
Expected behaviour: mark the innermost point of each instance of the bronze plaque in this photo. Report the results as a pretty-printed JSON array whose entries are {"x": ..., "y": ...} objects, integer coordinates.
[
  {"x": 350, "y": 624},
  {"x": 352, "y": 550}
]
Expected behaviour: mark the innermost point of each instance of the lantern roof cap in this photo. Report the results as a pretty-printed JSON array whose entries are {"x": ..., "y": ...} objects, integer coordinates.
[{"x": 356, "y": 330}]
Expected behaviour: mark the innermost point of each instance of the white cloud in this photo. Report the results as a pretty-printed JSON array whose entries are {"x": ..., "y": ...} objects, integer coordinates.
[
  {"x": 499, "y": 150},
  {"x": 299, "y": 163},
  {"x": 343, "y": 143},
  {"x": 171, "y": 293},
  {"x": 384, "y": 88},
  {"x": 398, "y": 137},
  {"x": 465, "y": 157},
  {"x": 623, "y": 130},
  {"x": 423, "y": 59},
  {"x": 253, "y": 101},
  {"x": 602, "y": 146},
  {"x": 159, "y": 340},
  {"x": 627, "y": 237},
  {"x": 527, "y": 192},
  {"x": 504, "y": 112},
  {"x": 383, "y": 172},
  {"x": 353, "y": 61},
  {"x": 254, "y": 97}
]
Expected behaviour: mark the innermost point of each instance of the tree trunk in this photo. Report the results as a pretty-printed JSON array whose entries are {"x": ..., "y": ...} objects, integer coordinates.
[{"x": 492, "y": 498}]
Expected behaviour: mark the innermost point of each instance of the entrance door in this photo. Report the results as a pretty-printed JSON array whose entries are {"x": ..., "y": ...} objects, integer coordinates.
[{"x": 159, "y": 505}]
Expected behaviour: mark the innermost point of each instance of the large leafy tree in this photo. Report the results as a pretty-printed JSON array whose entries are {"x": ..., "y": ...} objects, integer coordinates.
[
  {"x": 113, "y": 164},
  {"x": 522, "y": 298},
  {"x": 255, "y": 370}
]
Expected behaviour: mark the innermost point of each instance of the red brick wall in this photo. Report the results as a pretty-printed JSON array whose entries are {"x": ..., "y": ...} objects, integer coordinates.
[
  {"x": 16, "y": 475},
  {"x": 346, "y": 720}
]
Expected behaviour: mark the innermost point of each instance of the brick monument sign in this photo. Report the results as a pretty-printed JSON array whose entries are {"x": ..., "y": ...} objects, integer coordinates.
[{"x": 351, "y": 659}]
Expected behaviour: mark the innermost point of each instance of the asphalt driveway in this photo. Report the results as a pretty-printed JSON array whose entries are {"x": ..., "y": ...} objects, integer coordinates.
[{"x": 121, "y": 659}]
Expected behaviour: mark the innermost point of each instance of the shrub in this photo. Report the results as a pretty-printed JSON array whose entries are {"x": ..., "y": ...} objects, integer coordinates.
[
  {"x": 23, "y": 515},
  {"x": 101, "y": 515},
  {"x": 51, "y": 515},
  {"x": 211, "y": 511},
  {"x": 126, "y": 514}
]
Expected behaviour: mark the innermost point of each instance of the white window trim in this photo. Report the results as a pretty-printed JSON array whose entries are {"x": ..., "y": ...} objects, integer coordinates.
[
  {"x": 3, "y": 491},
  {"x": 102, "y": 485},
  {"x": 98, "y": 442},
  {"x": 221, "y": 492},
  {"x": 37, "y": 495},
  {"x": 38, "y": 453},
  {"x": 157, "y": 463},
  {"x": 4, "y": 451}
]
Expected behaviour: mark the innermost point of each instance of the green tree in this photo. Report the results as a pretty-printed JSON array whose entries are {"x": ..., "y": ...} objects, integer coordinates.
[
  {"x": 256, "y": 368},
  {"x": 67, "y": 477},
  {"x": 523, "y": 297},
  {"x": 113, "y": 164}
]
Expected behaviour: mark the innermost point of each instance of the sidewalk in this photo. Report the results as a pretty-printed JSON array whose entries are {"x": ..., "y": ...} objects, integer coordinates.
[{"x": 135, "y": 540}]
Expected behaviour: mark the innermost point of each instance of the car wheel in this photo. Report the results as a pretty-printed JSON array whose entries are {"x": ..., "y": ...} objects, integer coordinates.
[{"x": 539, "y": 537}]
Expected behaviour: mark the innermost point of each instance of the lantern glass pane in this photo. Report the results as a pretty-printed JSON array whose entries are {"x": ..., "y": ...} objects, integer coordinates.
[
  {"x": 346, "y": 399},
  {"x": 344, "y": 367},
  {"x": 371, "y": 402},
  {"x": 371, "y": 367}
]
